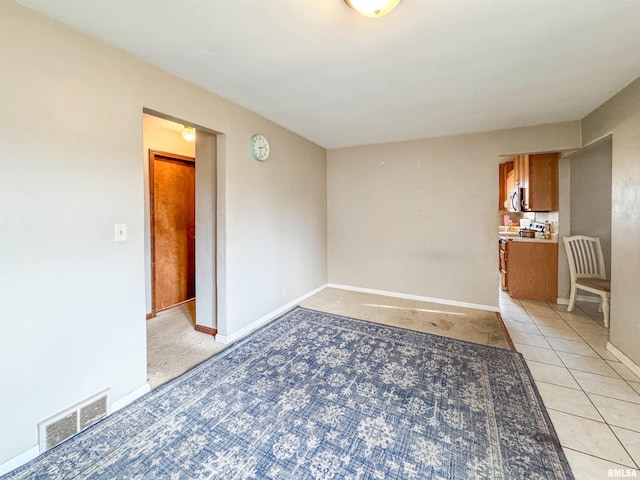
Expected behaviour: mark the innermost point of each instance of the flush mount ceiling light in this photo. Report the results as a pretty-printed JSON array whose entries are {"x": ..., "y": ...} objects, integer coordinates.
[
  {"x": 372, "y": 8},
  {"x": 189, "y": 133}
]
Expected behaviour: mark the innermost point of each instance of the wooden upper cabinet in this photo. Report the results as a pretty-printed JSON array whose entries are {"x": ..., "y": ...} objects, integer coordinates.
[
  {"x": 502, "y": 186},
  {"x": 505, "y": 181},
  {"x": 542, "y": 188},
  {"x": 521, "y": 170},
  {"x": 537, "y": 174},
  {"x": 522, "y": 178}
]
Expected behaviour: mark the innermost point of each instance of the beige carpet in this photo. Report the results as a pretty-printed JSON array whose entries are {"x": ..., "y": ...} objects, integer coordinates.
[
  {"x": 173, "y": 346},
  {"x": 478, "y": 326}
]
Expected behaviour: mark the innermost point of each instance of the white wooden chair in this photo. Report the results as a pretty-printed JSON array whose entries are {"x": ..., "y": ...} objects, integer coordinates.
[{"x": 586, "y": 266}]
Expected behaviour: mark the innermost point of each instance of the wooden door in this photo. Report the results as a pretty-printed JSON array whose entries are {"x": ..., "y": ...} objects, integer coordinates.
[{"x": 172, "y": 188}]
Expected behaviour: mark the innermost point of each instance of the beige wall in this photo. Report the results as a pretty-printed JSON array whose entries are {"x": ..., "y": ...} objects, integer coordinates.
[
  {"x": 620, "y": 116},
  {"x": 591, "y": 196},
  {"x": 564, "y": 226},
  {"x": 72, "y": 299},
  {"x": 206, "y": 229},
  {"x": 422, "y": 213}
]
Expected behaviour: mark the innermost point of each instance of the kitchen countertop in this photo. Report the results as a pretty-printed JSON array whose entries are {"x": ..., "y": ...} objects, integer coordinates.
[{"x": 516, "y": 238}]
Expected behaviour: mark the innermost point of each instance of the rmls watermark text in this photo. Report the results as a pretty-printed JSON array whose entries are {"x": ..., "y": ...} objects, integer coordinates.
[{"x": 622, "y": 473}]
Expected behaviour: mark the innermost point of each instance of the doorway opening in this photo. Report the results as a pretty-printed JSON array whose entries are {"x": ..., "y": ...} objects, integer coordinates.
[
  {"x": 180, "y": 246},
  {"x": 574, "y": 198}
]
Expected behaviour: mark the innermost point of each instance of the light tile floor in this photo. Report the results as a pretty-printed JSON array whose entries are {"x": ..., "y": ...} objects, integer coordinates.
[{"x": 593, "y": 399}]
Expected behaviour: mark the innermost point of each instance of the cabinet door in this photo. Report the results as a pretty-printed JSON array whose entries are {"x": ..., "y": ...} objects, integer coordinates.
[
  {"x": 505, "y": 182},
  {"x": 502, "y": 186},
  {"x": 533, "y": 271},
  {"x": 502, "y": 265},
  {"x": 543, "y": 182},
  {"x": 524, "y": 183}
]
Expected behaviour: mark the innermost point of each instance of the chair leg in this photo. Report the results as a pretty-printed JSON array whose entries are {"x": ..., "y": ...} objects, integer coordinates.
[
  {"x": 572, "y": 299},
  {"x": 605, "y": 310}
]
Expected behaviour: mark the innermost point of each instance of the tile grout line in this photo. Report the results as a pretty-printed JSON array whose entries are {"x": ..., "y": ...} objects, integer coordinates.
[
  {"x": 579, "y": 416},
  {"x": 558, "y": 385},
  {"x": 619, "y": 400},
  {"x": 595, "y": 456},
  {"x": 636, "y": 463}
]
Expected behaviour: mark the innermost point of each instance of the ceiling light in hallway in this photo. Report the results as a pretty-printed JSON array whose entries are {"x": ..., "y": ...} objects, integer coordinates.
[{"x": 189, "y": 133}]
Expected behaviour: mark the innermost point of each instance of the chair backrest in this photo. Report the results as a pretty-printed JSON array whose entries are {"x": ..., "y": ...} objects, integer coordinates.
[{"x": 585, "y": 257}]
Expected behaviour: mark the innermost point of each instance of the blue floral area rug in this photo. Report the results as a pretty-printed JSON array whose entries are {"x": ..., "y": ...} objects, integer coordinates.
[{"x": 318, "y": 396}]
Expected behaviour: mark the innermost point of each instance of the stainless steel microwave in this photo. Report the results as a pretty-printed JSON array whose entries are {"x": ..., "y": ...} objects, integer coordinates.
[{"x": 515, "y": 200}]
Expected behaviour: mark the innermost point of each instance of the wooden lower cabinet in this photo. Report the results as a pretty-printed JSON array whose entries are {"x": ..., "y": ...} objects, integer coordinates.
[
  {"x": 502, "y": 255},
  {"x": 532, "y": 270}
]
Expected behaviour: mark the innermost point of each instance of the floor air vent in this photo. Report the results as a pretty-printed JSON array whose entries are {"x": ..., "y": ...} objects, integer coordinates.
[{"x": 67, "y": 423}]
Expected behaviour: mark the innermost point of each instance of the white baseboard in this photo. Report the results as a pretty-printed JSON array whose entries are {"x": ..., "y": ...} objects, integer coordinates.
[
  {"x": 127, "y": 399},
  {"x": 626, "y": 361},
  {"x": 34, "y": 451},
  {"x": 579, "y": 298},
  {"x": 420, "y": 298},
  {"x": 19, "y": 460},
  {"x": 227, "y": 339}
]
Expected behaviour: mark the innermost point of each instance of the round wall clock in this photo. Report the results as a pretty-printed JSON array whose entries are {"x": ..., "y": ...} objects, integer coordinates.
[{"x": 259, "y": 147}]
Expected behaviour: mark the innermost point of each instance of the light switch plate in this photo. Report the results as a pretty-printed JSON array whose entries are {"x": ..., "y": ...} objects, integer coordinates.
[{"x": 120, "y": 232}]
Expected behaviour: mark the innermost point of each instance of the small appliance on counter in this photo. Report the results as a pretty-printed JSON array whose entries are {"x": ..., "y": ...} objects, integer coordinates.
[
  {"x": 537, "y": 227},
  {"x": 527, "y": 233},
  {"x": 539, "y": 230}
]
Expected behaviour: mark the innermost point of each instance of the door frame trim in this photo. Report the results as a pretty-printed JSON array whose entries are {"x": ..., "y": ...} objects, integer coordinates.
[{"x": 152, "y": 220}]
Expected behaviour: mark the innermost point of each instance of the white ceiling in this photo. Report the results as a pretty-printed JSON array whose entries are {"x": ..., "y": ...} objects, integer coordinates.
[{"x": 429, "y": 68}]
